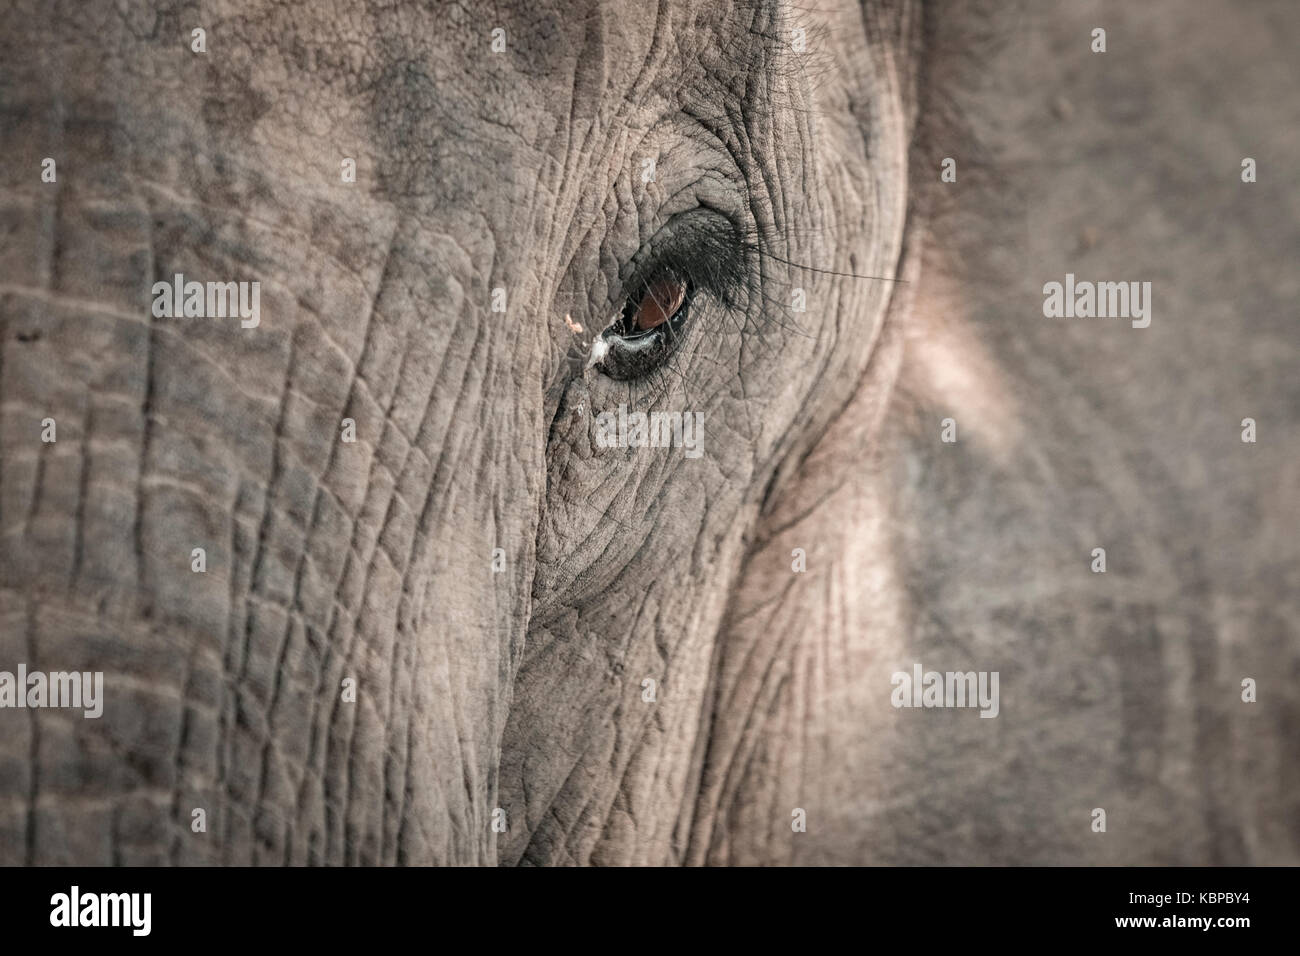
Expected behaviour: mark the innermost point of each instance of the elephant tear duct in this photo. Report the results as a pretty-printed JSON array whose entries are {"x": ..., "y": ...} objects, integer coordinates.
[{"x": 598, "y": 349}]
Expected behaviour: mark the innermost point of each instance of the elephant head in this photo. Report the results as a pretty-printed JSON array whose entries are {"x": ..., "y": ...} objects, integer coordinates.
[{"x": 571, "y": 482}]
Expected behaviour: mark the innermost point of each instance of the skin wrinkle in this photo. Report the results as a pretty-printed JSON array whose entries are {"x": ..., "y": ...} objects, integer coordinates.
[
  {"x": 329, "y": 466},
  {"x": 263, "y": 525}
]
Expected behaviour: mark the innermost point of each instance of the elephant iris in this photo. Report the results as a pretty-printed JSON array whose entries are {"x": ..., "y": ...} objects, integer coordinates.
[{"x": 659, "y": 304}]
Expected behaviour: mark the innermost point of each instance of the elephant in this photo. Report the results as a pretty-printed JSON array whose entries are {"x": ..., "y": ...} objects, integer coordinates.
[{"x": 554, "y": 433}]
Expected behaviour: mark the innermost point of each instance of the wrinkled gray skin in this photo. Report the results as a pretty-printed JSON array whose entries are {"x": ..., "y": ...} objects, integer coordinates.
[{"x": 523, "y": 689}]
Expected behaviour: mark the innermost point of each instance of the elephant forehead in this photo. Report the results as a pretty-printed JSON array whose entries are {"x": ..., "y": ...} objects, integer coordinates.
[
  {"x": 452, "y": 67},
  {"x": 563, "y": 84}
]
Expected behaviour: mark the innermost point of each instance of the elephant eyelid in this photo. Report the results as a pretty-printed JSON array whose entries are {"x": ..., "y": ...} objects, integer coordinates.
[{"x": 702, "y": 251}]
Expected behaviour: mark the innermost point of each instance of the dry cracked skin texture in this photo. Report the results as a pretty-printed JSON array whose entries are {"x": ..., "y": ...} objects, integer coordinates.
[{"x": 523, "y": 688}]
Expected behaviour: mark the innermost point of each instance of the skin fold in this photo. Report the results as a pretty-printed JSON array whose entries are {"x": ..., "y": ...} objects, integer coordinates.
[{"x": 498, "y": 586}]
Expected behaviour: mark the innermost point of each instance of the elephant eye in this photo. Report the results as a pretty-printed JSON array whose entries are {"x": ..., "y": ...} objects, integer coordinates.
[
  {"x": 646, "y": 332},
  {"x": 699, "y": 251}
]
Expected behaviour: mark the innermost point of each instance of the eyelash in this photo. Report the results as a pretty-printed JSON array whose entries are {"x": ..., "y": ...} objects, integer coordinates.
[{"x": 702, "y": 253}]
